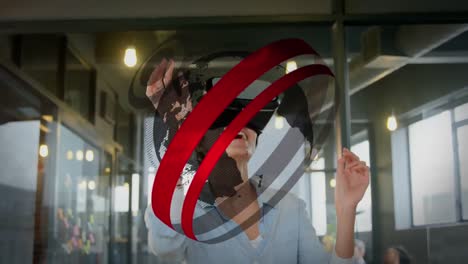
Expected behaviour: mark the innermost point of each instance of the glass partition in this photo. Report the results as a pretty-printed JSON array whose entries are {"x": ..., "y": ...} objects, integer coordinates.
[{"x": 81, "y": 222}]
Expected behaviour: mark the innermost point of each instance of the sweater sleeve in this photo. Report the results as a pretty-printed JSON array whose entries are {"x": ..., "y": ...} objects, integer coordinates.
[{"x": 163, "y": 241}]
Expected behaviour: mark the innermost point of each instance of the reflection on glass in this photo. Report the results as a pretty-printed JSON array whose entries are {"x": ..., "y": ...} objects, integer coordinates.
[
  {"x": 78, "y": 85},
  {"x": 81, "y": 206},
  {"x": 121, "y": 199},
  {"x": 40, "y": 58},
  {"x": 27, "y": 144},
  {"x": 19, "y": 143},
  {"x": 431, "y": 152},
  {"x": 121, "y": 215},
  {"x": 135, "y": 193}
]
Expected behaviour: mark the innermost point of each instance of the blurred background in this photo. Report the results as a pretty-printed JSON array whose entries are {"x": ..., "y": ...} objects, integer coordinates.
[{"x": 76, "y": 157}]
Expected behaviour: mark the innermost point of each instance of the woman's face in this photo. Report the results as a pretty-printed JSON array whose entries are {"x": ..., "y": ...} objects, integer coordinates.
[
  {"x": 243, "y": 145},
  {"x": 227, "y": 172}
]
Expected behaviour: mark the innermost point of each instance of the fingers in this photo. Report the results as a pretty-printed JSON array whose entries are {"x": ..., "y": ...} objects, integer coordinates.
[
  {"x": 349, "y": 162},
  {"x": 341, "y": 167},
  {"x": 352, "y": 164},
  {"x": 361, "y": 169},
  {"x": 356, "y": 166},
  {"x": 169, "y": 72},
  {"x": 350, "y": 156},
  {"x": 158, "y": 72}
]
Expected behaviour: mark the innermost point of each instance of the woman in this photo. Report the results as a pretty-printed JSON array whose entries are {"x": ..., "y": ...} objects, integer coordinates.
[
  {"x": 284, "y": 234},
  {"x": 396, "y": 255}
]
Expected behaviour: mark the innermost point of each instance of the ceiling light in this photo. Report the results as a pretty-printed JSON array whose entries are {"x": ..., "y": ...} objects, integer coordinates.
[
  {"x": 43, "y": 151},
  {"x": 333, "y": 183},
  {"x": 91, "y": 185},
  {"x": 89, "y": 155},
  {"x": 79, "y": 155},
  {"x": 291, "y": 66},
  {"x": 69, "y": 155},
  {"x": 392, "y": 123},
  {"x": 82, "y": 185},
  {"x": 130, "y": 58},
  {"x": 279, "y": 122}
]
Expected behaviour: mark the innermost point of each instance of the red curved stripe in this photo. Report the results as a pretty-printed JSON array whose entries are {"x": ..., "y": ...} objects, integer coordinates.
[
  {"x": 206, "y": 112},
  {"x": 231, "y": 131}
]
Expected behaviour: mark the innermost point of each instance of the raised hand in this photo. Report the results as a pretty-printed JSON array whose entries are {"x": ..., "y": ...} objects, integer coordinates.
[
  {"x": 171, "y": 98},
  {"x": 160, "y": 78},
  {"x": 352, "y": 180}
]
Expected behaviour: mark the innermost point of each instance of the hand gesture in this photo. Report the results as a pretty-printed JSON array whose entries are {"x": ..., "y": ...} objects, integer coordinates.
[
  {"x": 160, "y": 78},
  {"x": 170, "y": 98},
  {"x": 352, "y": 179}
]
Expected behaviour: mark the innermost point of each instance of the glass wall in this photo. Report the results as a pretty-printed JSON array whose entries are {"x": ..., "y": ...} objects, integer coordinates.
[
  {"x": 50, "y": 61},
  {"x": 57, "y": 208},
  {"x": 121, "y": 213},
  {"x": 79, "y": 85},
  {"x": 81, "y": 208},
  {"x": 27, "y": 126},
  {"x": 38, "y": 55}
]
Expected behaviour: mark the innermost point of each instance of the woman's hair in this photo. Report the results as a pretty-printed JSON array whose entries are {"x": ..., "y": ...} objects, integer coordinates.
[{"x": 403, "y": 254}]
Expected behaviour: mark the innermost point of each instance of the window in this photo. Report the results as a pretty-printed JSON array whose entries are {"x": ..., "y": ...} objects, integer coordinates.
[
  {"x": 318, "y": 196},
  {"x": 39, "y": 58},
  {"x": 461, "y": 126},
  {"x": 27, "y": 129},
  {"x": 461, "y": 112},
  {"x": 462, "y": 137},
  {"x": 429, "y": 173},
  {"x": 430, "y": 142},
  {"x": 79, "y": 86},
  {"x": 364, "y": 208}
]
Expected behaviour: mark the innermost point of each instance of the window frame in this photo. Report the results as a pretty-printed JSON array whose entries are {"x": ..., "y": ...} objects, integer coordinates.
[{"x": 425, "y": 111}]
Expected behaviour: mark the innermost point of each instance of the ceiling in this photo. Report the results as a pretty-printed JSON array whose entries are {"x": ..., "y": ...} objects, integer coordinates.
[{"x": 373, "y": 52}]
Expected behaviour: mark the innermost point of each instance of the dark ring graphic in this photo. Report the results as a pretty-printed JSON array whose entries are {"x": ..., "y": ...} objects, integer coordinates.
[
  {"x": 206, "y": 112},
  {"x": 231, "y": 131},
  {"x": 208, "y": 109}
]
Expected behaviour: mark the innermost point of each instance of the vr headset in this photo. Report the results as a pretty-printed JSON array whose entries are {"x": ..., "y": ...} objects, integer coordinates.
[{"x": 260, "y": 120}]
